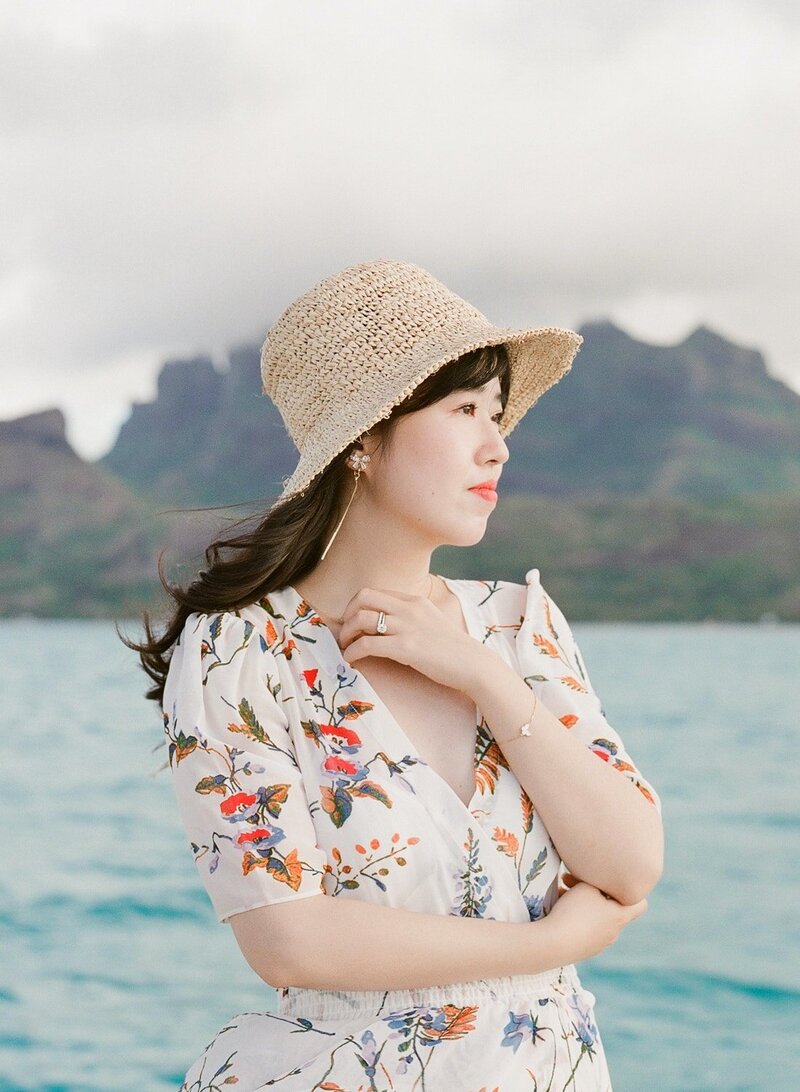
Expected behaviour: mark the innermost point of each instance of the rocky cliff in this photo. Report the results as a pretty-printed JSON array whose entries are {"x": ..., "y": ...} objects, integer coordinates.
[
  {"x": 699, "y": 420},
  {"x": 208, "y": 438},
  {"x": 652, "y": 482},
  {"x": 73, "y": 538}
]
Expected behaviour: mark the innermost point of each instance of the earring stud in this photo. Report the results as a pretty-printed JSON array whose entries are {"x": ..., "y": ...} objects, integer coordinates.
[{"x": 357, "y": 460}]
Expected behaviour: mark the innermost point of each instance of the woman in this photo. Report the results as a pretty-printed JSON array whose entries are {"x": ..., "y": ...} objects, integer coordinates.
[{"x": 380, "y": 770}]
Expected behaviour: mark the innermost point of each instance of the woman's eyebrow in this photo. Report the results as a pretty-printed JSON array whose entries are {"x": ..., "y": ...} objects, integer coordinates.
[{"x": 478, "y": 390}]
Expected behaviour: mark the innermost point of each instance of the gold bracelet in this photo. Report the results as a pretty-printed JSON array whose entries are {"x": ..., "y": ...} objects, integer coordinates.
[{"x": 525, "y": 730}]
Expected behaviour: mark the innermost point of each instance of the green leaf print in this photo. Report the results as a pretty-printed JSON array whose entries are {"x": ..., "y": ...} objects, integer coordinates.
[
  {"x": 537, "y": 866},
  {"x": 212, "y": 783},
  {"x": 338, "y": 805},
  {"x": 370, "y": 788}
]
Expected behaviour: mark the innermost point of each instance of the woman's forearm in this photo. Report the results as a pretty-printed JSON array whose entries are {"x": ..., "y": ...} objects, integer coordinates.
[
  {"x": 345, "y": 944},
  {"x": 604, "y": 829}
]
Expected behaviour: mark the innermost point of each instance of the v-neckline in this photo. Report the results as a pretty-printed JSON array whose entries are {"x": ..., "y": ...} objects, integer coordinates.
[{"x": 474, "y": 624}]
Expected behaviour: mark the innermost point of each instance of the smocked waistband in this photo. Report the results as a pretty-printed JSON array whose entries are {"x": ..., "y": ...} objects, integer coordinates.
[{"x": 339, "y": 1004}]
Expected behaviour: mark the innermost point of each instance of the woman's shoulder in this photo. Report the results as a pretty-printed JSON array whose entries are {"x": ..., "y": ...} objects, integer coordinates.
[
  {"x": 202, "y": 624},
  {"x": 502, "y": 594},
  {"x": 227, "y": 638},
  {"x": 222, "y": 660},
  {"x": 268, "y": 606},
  {"x": 248, "y": 634},
  {"x": 532, "y": 576}
]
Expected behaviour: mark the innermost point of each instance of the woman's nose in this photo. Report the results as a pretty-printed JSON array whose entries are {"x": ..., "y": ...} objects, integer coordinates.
[
  {"x": 497, "y": 445},
  {"x": 502, "y": 453}
]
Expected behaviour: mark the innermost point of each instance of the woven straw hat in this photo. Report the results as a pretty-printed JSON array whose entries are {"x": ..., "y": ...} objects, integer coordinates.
[{"x": 344, "y": 354}]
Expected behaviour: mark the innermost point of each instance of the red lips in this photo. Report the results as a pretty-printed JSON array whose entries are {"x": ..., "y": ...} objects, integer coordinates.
[{"x": 487, "y": 490}]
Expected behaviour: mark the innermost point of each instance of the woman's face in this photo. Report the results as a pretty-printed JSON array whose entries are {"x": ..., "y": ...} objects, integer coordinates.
[{"x": 423, "y": 478}]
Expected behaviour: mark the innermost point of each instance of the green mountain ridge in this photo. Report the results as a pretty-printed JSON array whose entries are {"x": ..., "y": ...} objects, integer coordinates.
[
  {"x": 652, "y": 483},
  {"x": 71, "y": 535},
  {"x": 208, "y": 438},
  {"x": 698, "y": 420},
  {"x": 76, "y": 541}
]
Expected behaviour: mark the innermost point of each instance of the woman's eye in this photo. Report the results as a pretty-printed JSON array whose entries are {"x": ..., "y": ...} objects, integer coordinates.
[{"x": 473, "y": 405}]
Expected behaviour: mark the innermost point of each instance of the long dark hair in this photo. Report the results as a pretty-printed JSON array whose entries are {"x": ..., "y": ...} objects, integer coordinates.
[{"x": 284, "y": 545}]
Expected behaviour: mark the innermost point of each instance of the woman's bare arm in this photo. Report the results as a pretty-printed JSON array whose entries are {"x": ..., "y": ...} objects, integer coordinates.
[
  {"x": 321, "y": 942},
  {"x": 604, "y": 829}
]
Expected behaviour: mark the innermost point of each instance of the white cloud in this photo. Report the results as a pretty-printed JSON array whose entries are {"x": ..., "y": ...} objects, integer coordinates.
[{"x": 176, "y": 174}]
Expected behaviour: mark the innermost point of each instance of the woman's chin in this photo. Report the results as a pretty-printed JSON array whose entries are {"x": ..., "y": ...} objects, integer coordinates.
[{"x": 462, "y": 538}]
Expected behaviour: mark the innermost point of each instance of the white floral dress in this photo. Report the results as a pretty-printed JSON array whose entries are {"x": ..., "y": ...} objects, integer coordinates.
[{"x": 293, "y": 779}]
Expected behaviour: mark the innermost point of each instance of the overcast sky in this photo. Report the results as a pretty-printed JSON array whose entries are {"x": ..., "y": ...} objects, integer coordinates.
[{"x": 173, "y": 175}]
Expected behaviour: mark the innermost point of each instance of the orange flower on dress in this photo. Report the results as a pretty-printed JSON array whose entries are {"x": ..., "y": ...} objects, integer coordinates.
[
  {"x": 545, "y": 646},
  {"x": 573, "y": 684},
  {"x": 450, "y": 1022},
  {"x": 508, "y": 842}
]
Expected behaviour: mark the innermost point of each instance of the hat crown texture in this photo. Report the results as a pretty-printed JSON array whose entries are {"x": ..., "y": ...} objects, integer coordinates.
[
  {"x": 355, "y": 337},
  {"x": 347, "y": 352}
]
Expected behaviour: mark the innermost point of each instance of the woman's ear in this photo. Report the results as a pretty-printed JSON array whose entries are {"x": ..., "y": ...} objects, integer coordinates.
[{"x": 366, "y": 444}]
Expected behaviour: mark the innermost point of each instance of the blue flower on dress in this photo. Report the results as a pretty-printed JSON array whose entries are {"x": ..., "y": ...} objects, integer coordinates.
[
  {"x": 402, "y": 1019},
  {"x": 521, "y": 1028},
  {"x": 369, "y": 1053},
  {"x": 535, "y": 904},
  {"x": 473, "y": 891},
  {"x": 585, "y": 1027}
]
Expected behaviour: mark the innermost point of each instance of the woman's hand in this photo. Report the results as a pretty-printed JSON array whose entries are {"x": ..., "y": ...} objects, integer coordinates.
[
  {"x": 584, "y": 921},
  {"x": 418, "y": 634}
]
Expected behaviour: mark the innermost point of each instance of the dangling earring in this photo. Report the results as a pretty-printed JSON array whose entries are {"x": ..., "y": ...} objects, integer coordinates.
[{"x": 356, "y": 460}]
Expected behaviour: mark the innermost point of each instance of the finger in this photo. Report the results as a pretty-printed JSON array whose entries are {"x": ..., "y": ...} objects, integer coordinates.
[
  {"x": 377, "y": 599},
  {"x": 363, "y": 623},
  {"x": 362, "y": 598},
  {"x": 367, "y": 604},
  {"x": 368, "y": 646}
]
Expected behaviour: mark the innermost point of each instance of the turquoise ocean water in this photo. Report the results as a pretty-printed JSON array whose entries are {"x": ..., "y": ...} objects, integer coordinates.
[{"x": 115, "y": 973}]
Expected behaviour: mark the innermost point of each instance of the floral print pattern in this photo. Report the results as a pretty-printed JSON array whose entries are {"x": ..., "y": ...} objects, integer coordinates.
[{"x": 293, "y": 779}]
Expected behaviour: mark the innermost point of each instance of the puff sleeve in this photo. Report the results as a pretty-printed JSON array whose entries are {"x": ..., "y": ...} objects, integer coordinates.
[
  {"x": 240, "y": 793},
  {"x": 553, "y": 667}
]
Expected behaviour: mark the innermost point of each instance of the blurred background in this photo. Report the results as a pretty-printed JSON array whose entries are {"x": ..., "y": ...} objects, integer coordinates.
[{"x": 173, "y": 176}]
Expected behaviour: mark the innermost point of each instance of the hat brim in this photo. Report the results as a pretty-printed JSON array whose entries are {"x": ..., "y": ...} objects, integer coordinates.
[{"x": 538, "y": 359}]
